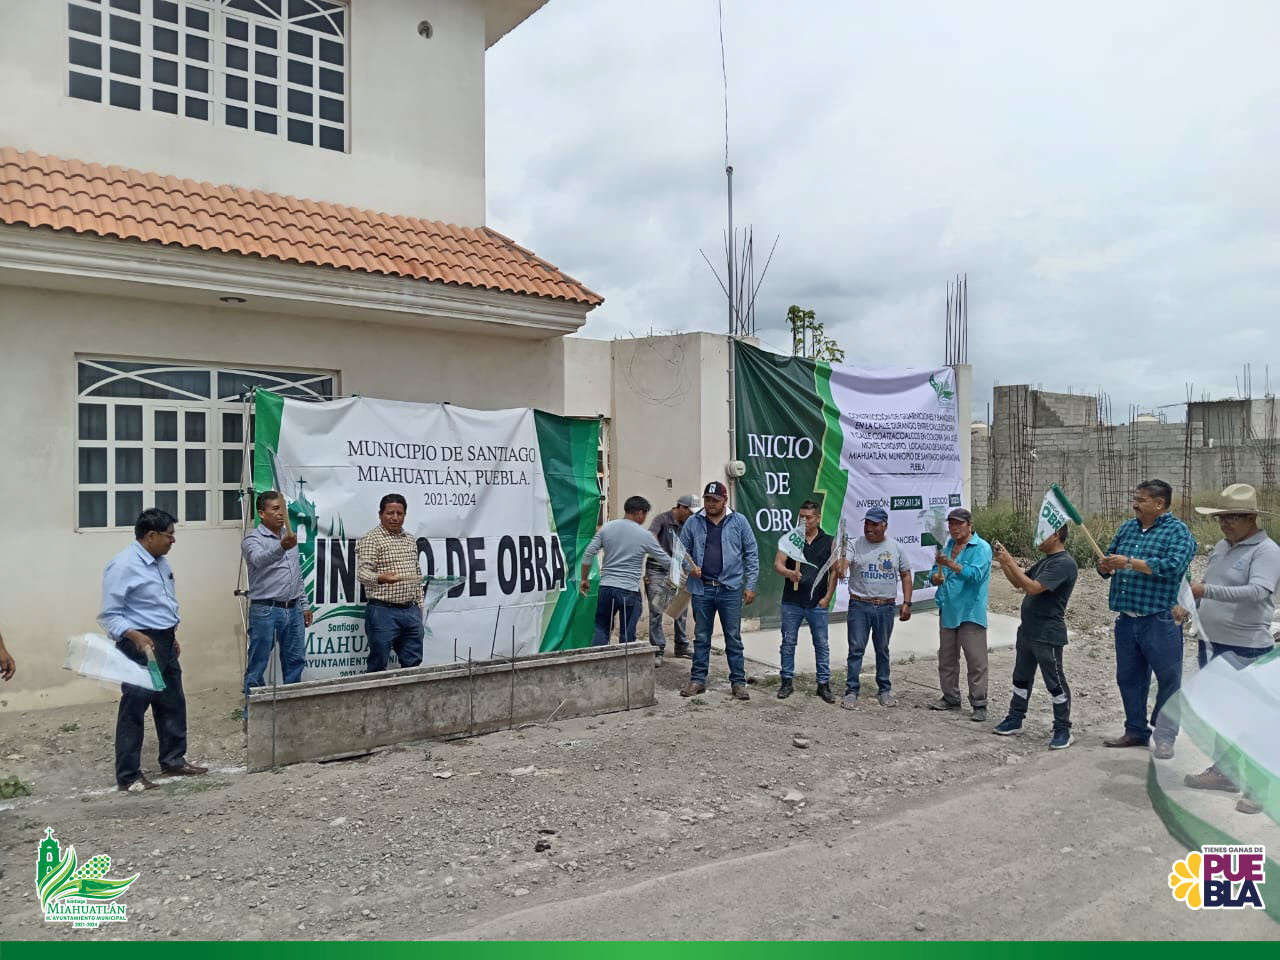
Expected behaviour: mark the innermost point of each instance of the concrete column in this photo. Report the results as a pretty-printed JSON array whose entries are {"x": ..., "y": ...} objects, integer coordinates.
[{"x": 964, "y": 414}]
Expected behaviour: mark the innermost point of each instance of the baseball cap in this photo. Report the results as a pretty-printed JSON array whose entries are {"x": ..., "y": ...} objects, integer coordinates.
[
  {"x": 686, "y": 500},
  {"x": 960, "y": 513},
  {"x": 877, "y": 515},
  {"x": 716, "y": 489}
]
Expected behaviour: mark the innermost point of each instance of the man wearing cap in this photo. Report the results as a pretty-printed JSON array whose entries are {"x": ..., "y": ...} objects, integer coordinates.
[
  {"x": 962, "y": 574},
  {"x": 1146, "y": 561},
  {"x": 878, "y": 565},
  {"x": 807, "y": 599},
  {"x": 666, "y": 527},
  {"x": 1236, "y": 601},
  {"x": 723, "y": 565}
]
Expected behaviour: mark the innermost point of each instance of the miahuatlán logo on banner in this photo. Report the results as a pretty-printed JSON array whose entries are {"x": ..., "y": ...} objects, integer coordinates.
[
  {"x": 1220, "y": 877},
  {"x": 944, "y": 392},
  {"x": 80, "y": 894}
]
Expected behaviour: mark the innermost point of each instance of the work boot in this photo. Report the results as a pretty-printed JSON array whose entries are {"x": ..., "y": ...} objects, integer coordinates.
[
  {"x": 142, "y": 783},
  {"x": 1124, "y": 740},
  {"x": 1211, "y": 779},
  {"x": 944, "y": 704},
  {"x": 1248, "y": 805},
  {"x": 740, "y": 692},
  {"x": 824, "y": 691},
  {"x": 785, "y": 689},
  {"x": 693, "y": 688},
  {"x": 684, "y": 653}
]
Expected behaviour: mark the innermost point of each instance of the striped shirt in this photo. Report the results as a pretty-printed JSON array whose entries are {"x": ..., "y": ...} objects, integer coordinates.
[
  {"x": 1167, "y": 548},
  {"x": 381, "y": 552}
]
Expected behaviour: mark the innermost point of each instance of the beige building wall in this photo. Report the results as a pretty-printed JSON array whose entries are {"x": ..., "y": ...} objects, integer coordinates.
[
  {"x": 415, "y": 136},
  {"x": 50, "y": 575}
]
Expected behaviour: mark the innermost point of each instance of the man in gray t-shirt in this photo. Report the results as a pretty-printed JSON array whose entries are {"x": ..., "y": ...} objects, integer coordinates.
[
  {"x": 625, "y": 544},
  {"x": 1236, "y": 601},
  {"x": 876, "y": 565}
]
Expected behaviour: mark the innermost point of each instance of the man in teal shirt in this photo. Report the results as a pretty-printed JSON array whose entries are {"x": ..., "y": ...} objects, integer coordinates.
[{"x": 962, "y": 574}]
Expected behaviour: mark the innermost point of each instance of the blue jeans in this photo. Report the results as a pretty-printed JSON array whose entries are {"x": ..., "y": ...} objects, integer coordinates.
[
  {"x": 793, "y": 614},
  {"x": 393, "y": 628},
  {"x": 1147, "y": 645},
  {"x": 727, "y": 603},
  {"x": 268, "y": 626},
  {"x": 625, "y": 605},
  {"x": 874, "y": 621}
]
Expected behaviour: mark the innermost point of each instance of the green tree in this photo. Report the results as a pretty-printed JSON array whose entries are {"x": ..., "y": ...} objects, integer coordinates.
[{"x": 809, "y": 337}]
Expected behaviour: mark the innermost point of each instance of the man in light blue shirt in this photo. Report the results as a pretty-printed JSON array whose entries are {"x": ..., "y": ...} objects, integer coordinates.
[
  {"x": 278, "y": 610},
  {"x": 962, "y": 574},
  {"x": 140, "y": 613}
]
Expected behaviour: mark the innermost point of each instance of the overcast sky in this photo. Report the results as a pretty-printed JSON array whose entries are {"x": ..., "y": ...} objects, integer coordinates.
[{"x": 1106, "y": 174}]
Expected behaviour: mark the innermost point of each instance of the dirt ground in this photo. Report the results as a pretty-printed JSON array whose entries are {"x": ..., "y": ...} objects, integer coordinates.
[{"x": 693, "y": 819}]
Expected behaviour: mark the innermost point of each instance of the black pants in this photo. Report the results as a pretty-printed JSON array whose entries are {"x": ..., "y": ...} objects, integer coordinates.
[
  {"x": 1031, "y": 654},
  {"x": 168, "y": 711}
]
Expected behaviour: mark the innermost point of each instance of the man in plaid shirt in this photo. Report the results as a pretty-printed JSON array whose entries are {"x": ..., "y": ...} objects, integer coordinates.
[
  {"x": 1146, "y": 561},
  {"x": 387, "y": 567}
]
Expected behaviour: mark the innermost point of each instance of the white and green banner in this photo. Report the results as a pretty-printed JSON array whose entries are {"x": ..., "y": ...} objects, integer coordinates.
[
  {"x": 850, "y": 438},
  {"x": 505, "y": 501}
]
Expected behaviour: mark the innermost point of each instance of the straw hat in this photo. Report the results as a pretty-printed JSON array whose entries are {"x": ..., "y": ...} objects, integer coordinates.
[{"x": 1237, "y": 498}]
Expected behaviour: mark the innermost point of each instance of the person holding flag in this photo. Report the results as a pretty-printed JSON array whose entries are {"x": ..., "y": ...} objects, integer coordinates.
[
  {"x": 278, "y": 608},
  {"x": 804, "y": 560},
  {"x": 1042, "y": 634},
  {"x": 1145, "y": 562}
]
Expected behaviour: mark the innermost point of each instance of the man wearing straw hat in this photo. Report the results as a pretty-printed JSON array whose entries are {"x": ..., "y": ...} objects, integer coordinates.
[
  {"x": 1146, "y": 561},
  {"x": 1236, "y": 601}
]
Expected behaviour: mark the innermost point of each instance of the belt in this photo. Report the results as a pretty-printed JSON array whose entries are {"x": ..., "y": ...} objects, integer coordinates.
[
  {"x": 875, "y": 601},
  {"x": 388, "y": 603},
  {"x": 711, "y": 583},
  {"x": 286, "y": 604}
]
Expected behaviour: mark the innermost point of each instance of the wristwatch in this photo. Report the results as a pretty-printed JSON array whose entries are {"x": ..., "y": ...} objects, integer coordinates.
[{"x": 1128, "y": 563}]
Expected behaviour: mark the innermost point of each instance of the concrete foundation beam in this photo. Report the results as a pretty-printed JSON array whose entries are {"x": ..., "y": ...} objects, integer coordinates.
[{"x": 348, "y": 716}]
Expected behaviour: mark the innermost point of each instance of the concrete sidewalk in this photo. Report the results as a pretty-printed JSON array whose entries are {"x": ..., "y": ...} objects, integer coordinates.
[{"x": 916, "y": 639}]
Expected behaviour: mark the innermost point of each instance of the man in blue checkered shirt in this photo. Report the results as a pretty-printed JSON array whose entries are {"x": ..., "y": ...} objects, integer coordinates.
[{"x": 1146, "y": 562}]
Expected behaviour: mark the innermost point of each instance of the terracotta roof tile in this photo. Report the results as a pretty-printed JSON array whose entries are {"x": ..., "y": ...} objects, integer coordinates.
[{"x": 48, "y": 191}]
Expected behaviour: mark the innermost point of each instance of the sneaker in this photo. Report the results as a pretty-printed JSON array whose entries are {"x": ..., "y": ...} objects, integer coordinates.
[
  {"x": 824, "y": 691},
  {"x": 137, "y": 786},
  {"x": 1162, "y": 749},
  {"x": 886, "y": 699},
  {"x": 693, "y": 688},
  {"x": 943, "y": 704},
  {"x": 1008, "y": 727},
  {"x": 849, "y": 701},
  {"x": 979, "y": 714},
  {"x": 1211, "y": 779},
  {"x": 657, "y": 660},
  {"x": 740, "y": 691},
  {"x": 1246, "y": 805},
  {"x": 1060, "y": 740},
  {"x": 785, "y": 689}
]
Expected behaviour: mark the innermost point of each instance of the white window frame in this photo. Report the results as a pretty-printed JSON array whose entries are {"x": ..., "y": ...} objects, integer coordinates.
[
  {"x": 215, "y": 484},
  {"x": 218, "y": 68}
]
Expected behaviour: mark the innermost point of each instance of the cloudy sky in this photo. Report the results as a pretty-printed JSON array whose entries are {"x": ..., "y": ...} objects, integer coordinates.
[{"x": 1104, "y": 172}]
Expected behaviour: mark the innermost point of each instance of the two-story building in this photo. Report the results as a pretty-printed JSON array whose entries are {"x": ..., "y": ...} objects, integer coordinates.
[{"x": 202, "y": 196}]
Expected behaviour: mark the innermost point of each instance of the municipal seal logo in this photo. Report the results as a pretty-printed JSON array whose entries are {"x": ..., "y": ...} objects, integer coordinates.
[{"x": 78, "y": 893}]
